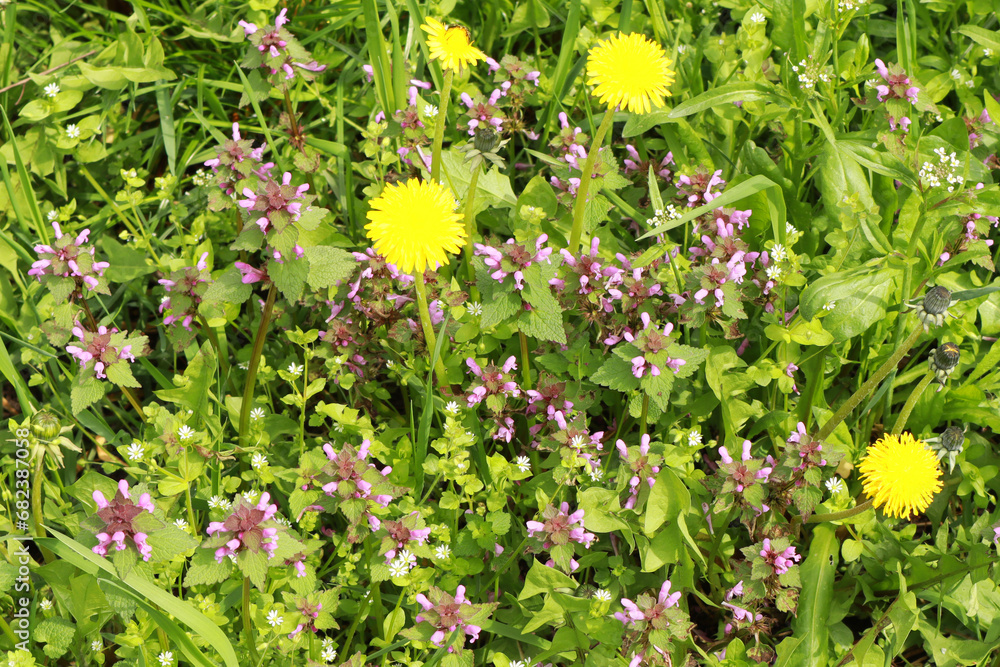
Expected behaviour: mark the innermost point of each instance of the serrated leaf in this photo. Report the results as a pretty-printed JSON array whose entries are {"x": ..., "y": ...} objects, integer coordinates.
[
  {"x": 168, "y": 542},
  {"x": 228, "y": 288},
  {"x": 120, "y": 373},
  {"x": 86, "y": 393},
  {"x": 616, "y": 373},
  {"x": 205, "y": 570},
  {"x": 328, "y": 266},
  {"x": 289, "y": 276}
]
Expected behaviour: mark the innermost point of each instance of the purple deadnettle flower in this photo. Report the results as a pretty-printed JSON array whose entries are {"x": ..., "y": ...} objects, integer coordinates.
[
  {"x": 648, "y": 609},
  {"x": 277, "y": 50},
  {"x": 118, "y": 516},
  {"x": 247, "y": 528},
  {"x": 560, "y": 527},
  {"x": 101, "y": 350},
  {"x": 494, "y": 389},
  {"x": 779, "y": 561},
  {"x": 68, "y": 258},
  {"x": 447, "y": 613},
  {"x": 641, "y": 464},
  {"x": 897, "y": 83},
  {"x": 186, "y": 288}
]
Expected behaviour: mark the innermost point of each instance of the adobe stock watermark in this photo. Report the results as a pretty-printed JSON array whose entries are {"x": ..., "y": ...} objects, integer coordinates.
[{"x": 20, "y": 624}]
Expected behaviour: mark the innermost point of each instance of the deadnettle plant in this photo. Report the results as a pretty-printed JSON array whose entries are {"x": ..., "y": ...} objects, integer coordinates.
[
  {"x": 277, "y": 51},
  {"x": 245, "y": 530},
  {"x": 638, "y": 465},
  {"x": 512, "y": 258},
  {"x": 68, "y": 264},
  {"x": 770, "y": 574},
  {"x": 741, "y": 482},
  {"x": 495, "y": 390},
  {"x": 445, "y": 614},
  {"x": 186, "y": 289},
  {"x": 106, "y": 353},
  {"x": 797, "y": 478},
  {"x": 235, "y": 161},
  {"x": 401, "y": 534},
  {"x": 652, "y": 624},
  {"x": 119, "y": 518},
  {"x": 557, "y": 533}
]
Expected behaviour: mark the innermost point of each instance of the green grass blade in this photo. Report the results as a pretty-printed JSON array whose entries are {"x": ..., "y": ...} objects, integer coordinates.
[
  {"x": 7, "y": 368},
  {"x": 22, "y": 174},
  {"x": 69, "y": 549},
  {"x": 248, "y": 91},
  {"x": 378, "y": 58},
  {"x": 166, "y": 110}
]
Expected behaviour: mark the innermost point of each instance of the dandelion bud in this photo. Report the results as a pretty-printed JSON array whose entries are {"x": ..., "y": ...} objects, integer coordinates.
[
  {"x": 487, "y": 139},
  {"x": 937, "y": 300},
  {"x": 45, "y": 425},
  {"x": 943, "y": 361},
  {"x": 953, "y": 438}
]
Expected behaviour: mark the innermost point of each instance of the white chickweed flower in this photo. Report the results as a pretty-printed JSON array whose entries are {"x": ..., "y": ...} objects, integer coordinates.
[
  {"x": 72, "y": 131},
  {"x": 185, "y": 432},
  {"x": 452, "y": 408},
  {"x": 166, "y": 658},
  {"x": 523, "y": 463},
  {"x": 52, "y": 90},
  {"x": 835, "y": 485},
  {"x": 258, "y": 461},
  {"x": 474, "y": 308},
  {"x": 694, "y": 438},
  {"x": 295, "y": 370},
  {"x": 442, "y": 551},
  {"x": 603, "y": 595},
  {"x": 274, "y": 619},
  {"x": 257, "y": 413},
  {"x": 135, "y": 451},
  {"x": 430, "y": 111}
]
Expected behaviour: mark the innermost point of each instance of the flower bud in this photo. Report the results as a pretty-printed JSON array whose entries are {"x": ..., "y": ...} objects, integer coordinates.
[
  {"x": 943, "y": 361},
  {"x": 953, "y": 438},
  {"x": 45, "y": 425},
  {"x": 487, "y": 139},
  {"x": 937, "y": 300}
]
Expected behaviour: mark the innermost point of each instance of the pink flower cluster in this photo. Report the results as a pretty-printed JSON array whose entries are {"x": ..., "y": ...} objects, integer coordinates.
[
  {"x": 100, "y": 348},
  {"x": 641, "y": 468},
  {"x": 186, "y": 287},
  {"x": 447, "y": 614},
  {"x": 278, "y": 50},
  {"x": 696, "y": 189},
  {"x": 560, "y": 527},
  {"x": 512, "y": 257},
  {"x": 651, "y": 343},
  {"x": 634, "y": 615},
  {"x": 118, "y": 515},
  {"x": 245, "y": 530},
  {"x": 276, "y": 204},
  {"x": 779, "y": 561},
  {"x": 635, "y": 164},
  {"x": 400, "y": 533},
  {"x": 236, "y": 160},
  {"x": 67, "y": 258},
  {"x": 493, "y": 383},
  {"x": 897, "y": 83},
  {"x": 349, "y": 470}
]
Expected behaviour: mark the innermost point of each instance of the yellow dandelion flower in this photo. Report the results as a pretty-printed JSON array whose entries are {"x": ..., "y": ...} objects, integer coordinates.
[
  {"x": 629, "y": 71},
  {"x": 414, "y": 225},
  {"x": 451, "y": 45},
  {"x": 901, "y": 475}
]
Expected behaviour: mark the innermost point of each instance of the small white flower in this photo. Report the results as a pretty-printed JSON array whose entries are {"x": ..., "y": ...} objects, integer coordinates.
[
  {"x": 72, "y": 131},
  {"x": 475, "y": 308},
  {"x": 576, "y": 442},
  {"x": 694, "y": 438},
  {"x": 778, "y": 253},
  {"x": 251, "y": 496},
  {"x": 257, "y": 413},
  {"x": 987, "y": 53},
  {"x": 327, "y": 643},
  {"x": 523, "y": 463},
  {"x": 829, "y": 305},
  {"x": 52, "y": 89},
  {"x": 430, "y": 111},
  {"x": 244, "y": 365},
  {"x": 45, "y": 604},
  {"x": 52, "y": 215},
  {"x": 274, "y": 619},
  {"x": 135, "y": 451},
  {"x": 218, "y": 502},
  {"x": 96, "y": 645},
  {"x": 398, "y": 568},
  {"x": 185, "y": 432},
  {"x": 519, "y": 663},
  {"x": 329, "y": 656},
  {"x": 452, "y": 408},
  {"x": 603, "y": 595},
  {"x": 757, "y": 17},
  {"x": 835, "y": 485},
  {"x": 295, "y": 369},
  {"x": 956, "y": 75},
  {"x": 773, "y": 272},
  {"x": 596, "y": 474},
  {"x": 181, "y": 523},
  {"x": 790, "y": 229},
  {"x": 166, "y": 658},
  {"x": 258, "y": 461},
  {"x": 442, "y": 551}
]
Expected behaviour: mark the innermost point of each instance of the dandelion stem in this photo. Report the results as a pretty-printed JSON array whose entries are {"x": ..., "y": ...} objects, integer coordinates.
[
  {"x": 442, "y": 120},
  {"x": 910, "y": 402},
  {"x": 580, "y": 207},
  {"x": 258, "y": 347},
  {"x": 869, "y": 386},
  {"x": 248, "y": 622},
  {"x": 840, "y": 516},
  {"x": 470, "y": 229},
  {"x": 425, "y": 322},
  {"x": 525, "y": 359}
]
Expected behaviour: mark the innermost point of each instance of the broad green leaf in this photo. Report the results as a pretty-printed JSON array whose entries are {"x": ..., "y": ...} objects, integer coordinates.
[
  {"x": 667, "y": 499},
  {"x": 544, "y": 579},
  {"x": 738, "y": 91},
  {"x": 818, "y": 572}
]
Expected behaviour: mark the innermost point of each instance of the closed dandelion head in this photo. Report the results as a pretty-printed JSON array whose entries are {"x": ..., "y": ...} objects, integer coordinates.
[
  {"x": 900, "y": 475},
  {"x": 948, "y": 445},
  {"x": 943, "y": 361},
  {"x": 629, "y": 71},
  {"x": 451, "y": 45},
  {"x": 414, "y": 225},
  {"x": 933, "y": 308}
]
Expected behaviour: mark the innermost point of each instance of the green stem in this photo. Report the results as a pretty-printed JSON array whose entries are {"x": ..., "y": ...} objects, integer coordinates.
[
  {"x": 840, "y": 516},
  {"x": 580, "y": 207},
  {"x": 302, "y": 412},
  {"x": 190, "y": 510},
  {"x": 869, "y": 386},
  {"x": 910, "y": 402},
  {"x": 442, "y": 120},
  {"x": 645, "y": 412},
  {"x": 258, "y": 347},
  {"x": 248, "y": 623},
  {"x": 525, "y": 360},
  {"x": 428, "y": 327},
  {"x": 470, "y": 228}
]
